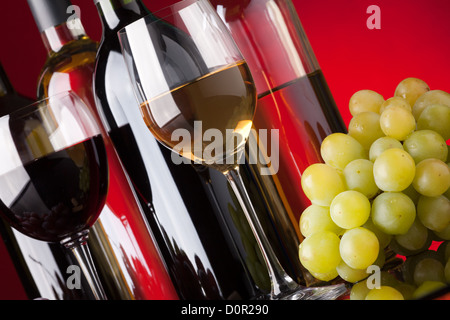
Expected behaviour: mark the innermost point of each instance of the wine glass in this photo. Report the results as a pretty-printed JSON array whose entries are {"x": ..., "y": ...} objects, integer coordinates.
[
  {"x": 197, "y": 97},
  {"x": 54, "y": 175}
]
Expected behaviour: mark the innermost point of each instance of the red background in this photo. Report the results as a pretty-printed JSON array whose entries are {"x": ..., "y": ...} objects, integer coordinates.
[{"x": 413, "y": 42}]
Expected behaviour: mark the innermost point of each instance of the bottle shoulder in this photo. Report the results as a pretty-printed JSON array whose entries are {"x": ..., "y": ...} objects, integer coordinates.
[
  {"x": 108, "y": 63},
  {"x": 76, "y": 57},
  {"x": 11, "y": 102},
  {"x": 122, "y": 19},
  {"x": 109, "y": 43},
  {"x": 111, "y": 85}
]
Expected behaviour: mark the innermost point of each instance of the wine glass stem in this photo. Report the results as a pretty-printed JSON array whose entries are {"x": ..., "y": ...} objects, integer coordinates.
[
  {"x": 79, "y": 248},
  {"x": 281, "y": 282}
]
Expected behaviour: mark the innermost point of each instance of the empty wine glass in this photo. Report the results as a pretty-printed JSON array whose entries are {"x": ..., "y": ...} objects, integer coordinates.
[
  {"x": 54, "y": 175},
  {"x": 197, "y": 97}
]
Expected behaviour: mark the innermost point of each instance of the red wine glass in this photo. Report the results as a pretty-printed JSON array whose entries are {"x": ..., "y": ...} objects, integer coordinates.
[{"x": 54, "y": 175}]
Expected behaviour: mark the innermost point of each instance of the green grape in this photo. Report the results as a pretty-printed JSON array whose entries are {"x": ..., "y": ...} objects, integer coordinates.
[
  {"x": 444, "y": 250},
  {"x": 382, "y": 144},
  {"x": 406, "y": 289},
  {"x": 411, "y": 89},
  {"x": 434, "y": 212},
  {"x": 316, "y": 218},
  {"x": 398, "y": 249},
  {"x": 384, "y": 293},
  {"x": 412, "y": 193},
  {"x": 365, "y": 127},
  {"x": 380, "y": 260},
  {"x": 325, "y": 276},
  {"x": 359, "y": 248},
  {"x": 321, "y": 183},
  {"x": 447, "y": 193},
  {"x": 409, "y": 266},
  {"x": 358, "y": 176},
  {"x": 436, "y": 117},
  {"x": 394, "y": 170},
  {"x": 425, "y": 144},
  {"x": 428, "y": 287},
  {"x": 319, "y": 253},
  {"x": 339, "y": 149},
  {"x": 383, "y": 238},
  {"x": 350, "y": 209},
  {"x": 429, "y": 98},
  {"x": 397, "y": 122},
  {"x": 249, "y": 248},
  {"x": 393, "y": 213},
  {"x": 382, "y": 278},
  {"x": 388, "y": 279},
  {"x": 444, "y": 234},
  {"x": 428, "y": 269},
  {"x": 396, "y": 101},
  {"x": 359, "y": 291},
  {"x": 350, "y": 274},
  {"x": 259, "y": 274},
  {"x": 415, "y": 240},
  {"x": 365, "y": 101},
  {"x": 432, "y": 177},
  {"x": 447, "y": 271}
]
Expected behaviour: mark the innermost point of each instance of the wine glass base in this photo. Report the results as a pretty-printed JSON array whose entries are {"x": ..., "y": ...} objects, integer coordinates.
[{"x": 308, "y": 293}]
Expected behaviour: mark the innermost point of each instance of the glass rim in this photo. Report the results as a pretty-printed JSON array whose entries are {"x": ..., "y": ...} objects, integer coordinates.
[
  {"x": 153, "y": 14},
  {"x": 21, "y": 112}
]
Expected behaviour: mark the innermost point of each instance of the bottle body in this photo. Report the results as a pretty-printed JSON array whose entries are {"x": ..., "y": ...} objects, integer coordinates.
[
  {"x": 127, "y": 259},
  {"x": 186, "y": 219}
]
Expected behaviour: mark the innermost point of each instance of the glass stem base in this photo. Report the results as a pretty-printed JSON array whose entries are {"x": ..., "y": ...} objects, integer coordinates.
[
  {"x": 283, "y": 287},
  {"x": 332, "y": 292}
]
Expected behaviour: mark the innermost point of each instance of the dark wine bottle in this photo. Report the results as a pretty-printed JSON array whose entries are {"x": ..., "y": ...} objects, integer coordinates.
[
  {"x": 41, "y": 266},
  {"x": 127, "y": 259},
  {"x": 188, "y": 224}
]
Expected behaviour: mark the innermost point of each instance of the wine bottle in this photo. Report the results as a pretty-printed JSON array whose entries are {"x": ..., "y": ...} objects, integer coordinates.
[
  {"x": 10, "y": 99},
  {"x": 293, "y": 95},
  {"x": 203, "y": 258},
  {"x": 127, "y": 259}
]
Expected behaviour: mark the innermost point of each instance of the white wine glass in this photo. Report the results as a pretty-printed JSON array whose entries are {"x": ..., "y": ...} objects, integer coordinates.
[{"x": 197, "y": 97}]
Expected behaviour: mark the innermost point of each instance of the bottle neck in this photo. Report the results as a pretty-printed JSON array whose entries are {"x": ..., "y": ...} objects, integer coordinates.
[
  {"x": 58, "y": 22},
  {"x": 115, "y": 14},
  {"x": 56, "y": 37},
  {"x": 5, "y": 86}
]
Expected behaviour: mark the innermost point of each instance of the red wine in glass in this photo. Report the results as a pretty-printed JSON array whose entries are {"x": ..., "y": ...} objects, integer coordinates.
[{"x": 58, "y": 194}]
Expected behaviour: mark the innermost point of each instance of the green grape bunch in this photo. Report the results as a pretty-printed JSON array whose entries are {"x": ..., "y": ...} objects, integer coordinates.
[{"x": 383, "y": 187}]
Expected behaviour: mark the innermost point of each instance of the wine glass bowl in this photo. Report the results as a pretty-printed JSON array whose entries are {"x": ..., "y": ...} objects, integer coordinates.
[
  {"x": 53, "y": 172},
  {"x": 224, "y": 112},
  {"x": 200, "y": 88}
]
